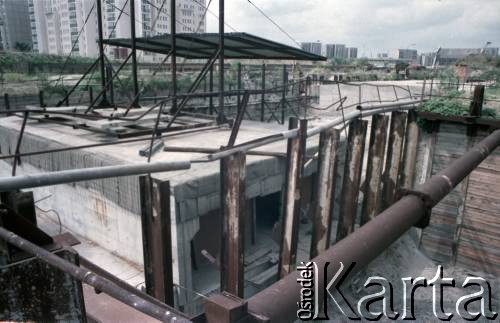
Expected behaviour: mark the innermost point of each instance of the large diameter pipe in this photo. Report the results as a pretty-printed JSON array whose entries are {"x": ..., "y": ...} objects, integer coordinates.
[
  {"x": 278, "y": 302},
  {"x": 439, "y": 185},
  {"x": 77, "y": 175},
  {"x": 88, "y": 277}
]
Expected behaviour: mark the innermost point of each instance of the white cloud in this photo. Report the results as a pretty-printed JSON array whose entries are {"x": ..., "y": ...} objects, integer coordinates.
[{"x": 371, "y": 25}]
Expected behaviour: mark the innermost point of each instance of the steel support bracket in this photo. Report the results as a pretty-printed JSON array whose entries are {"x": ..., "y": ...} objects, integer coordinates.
[
  {"x": 425, "y": 220},
  {"x": 226, "y": 308}
]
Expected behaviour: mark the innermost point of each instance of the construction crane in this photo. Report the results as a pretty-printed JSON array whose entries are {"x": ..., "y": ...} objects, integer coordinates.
[{"x": 483, "y": 50}]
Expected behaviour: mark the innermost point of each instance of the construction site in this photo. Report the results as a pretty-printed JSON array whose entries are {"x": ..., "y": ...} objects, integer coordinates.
[{"x": 199, "y": 203}]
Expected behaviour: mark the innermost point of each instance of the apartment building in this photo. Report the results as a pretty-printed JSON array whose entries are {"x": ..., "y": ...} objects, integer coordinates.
[
  {"x": 340, "y": 51},
  {"x": 410, "y": 55},
  {"x": 312, "y": 47},
  {"x": 57, "y": 24},
  {"x": 352, "y": 52},
  {"x": 14, "y": 24}
]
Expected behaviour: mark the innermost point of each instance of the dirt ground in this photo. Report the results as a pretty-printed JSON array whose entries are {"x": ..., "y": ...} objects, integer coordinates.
[{"x": 404, "y": 259}]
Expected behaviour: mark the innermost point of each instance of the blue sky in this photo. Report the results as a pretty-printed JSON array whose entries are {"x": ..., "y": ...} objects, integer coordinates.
[{"x": 371, "y": 25}]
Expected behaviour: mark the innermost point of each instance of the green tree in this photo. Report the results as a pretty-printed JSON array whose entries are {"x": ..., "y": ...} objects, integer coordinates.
[{"x": 22, "y": 47}]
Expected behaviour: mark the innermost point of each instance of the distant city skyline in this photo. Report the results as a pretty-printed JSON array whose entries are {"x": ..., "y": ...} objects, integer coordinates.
[{"x": 371, "y": 26}]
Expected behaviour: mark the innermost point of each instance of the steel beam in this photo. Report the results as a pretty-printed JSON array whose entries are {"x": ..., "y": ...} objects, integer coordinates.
[
  {"x": 220, "y": 113},
  {"x": 156, "y": 238},
  {"x": 373, "y": 181},
  {"x": 283, "y": 94},
  {"x": 352, "y": 177},
  {"x": 263, "y": 95},
  {"x": 369, "y": 241},
  {"x": 325, "y": 191},
  {"x": 239, "y": 85},
  {"x": 233, "y": 202},
  {"x": 102, "y": 66},
  {"x": 135, "y": 103},
  {"x": 410, "y": 153},
  {"x": 292, "y": 198},
  {"x": 173, "y": 55},
  {"x": 393, "y": 159},
  {"x": 211, "y": 89}
]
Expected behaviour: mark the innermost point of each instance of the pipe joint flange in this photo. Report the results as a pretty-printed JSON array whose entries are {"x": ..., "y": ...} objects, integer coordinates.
[{"x": 425, "y": 220}]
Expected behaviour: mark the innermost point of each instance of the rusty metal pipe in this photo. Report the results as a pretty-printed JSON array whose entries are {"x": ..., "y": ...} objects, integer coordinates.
[
  {"x": 278, "y": 302},
  {"x": 90, "y": 278},
  {"x": 85, "y": 174}
]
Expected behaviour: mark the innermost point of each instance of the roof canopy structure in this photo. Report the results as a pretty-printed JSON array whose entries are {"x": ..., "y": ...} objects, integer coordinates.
[{"x": 201, "y": 46}]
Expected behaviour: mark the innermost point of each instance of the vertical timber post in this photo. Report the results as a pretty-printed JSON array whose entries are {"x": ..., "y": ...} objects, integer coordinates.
[
  {"x": 233, "y": 200},
  {"x": 325, "y": 188},
  {"x": 292, "y": 198},
  {"x": 102, "y": 67},
  {"x": 156, "y": 238},
  {"x": 263, "y": 95},
  {"x": 352, "y": 178},
  {"x": 134, "y": 54},
  {"x": 410, "y": 153},
  {"x": 373, "y": 182},
  {"x": 393, "y": 158}
]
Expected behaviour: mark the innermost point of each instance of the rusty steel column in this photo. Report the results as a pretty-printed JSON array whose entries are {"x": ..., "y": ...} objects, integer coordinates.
[
  {"x": 352, "y": 178},
  {"x": 278, "y": 302},
  {"x": 263, "y": 95},
  {"x": 411, "y": 148},
  {"x": 393, "y": 158},
  {"x": 156, "y": 238},
  {"x": 373, "y": 182},
  {"x": 292, "y": 197},
  {"x": 476, "y": 106},
  {"x": 325, "y": 188},
  {"x": 233, "y": 206}
]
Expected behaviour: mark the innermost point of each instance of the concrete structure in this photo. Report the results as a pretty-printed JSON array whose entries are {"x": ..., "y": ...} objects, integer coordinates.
[
  {"x": 55, "y": 25},
  {"x": 312, "y": 47},
  {"x": 14, "y": 24},
  {"x": 340, "y": 51},
  {"x": 382, "y": 55},
  {"x": 407, "y": 54},
  {"x": 448, "y": 56},
  {"x": 108, "y": 212}
]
